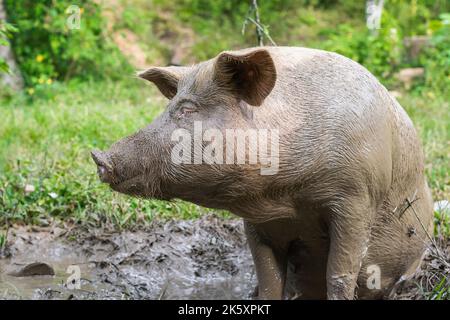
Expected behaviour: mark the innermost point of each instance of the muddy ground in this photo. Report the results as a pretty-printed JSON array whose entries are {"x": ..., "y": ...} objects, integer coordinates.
[{"x": 206, "y": 258}]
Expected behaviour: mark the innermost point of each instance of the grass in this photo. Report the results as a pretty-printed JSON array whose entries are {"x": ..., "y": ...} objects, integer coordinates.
[
  {"x": 3, "y": 240},
  {"x": 441, "y": 291},
  {"x": 431, "y": 116},
  {"x": 45, "y": 146}
]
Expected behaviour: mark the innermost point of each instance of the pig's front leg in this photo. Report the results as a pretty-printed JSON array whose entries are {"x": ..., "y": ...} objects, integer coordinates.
[
  {"x": 270, "y": 261},
  {"x": 349, "y": 239}
]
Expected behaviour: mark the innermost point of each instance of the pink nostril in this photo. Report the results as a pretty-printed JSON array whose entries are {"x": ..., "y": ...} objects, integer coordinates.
[
  {"x": 101, "y": 171},
  {"x": 103, "y": 174},
  {"x": 103, "y": 165}
]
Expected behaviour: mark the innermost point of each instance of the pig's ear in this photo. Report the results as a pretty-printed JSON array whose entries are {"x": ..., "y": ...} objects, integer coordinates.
[
  {"x": 250, "y": 75},
  {"x": 165, "y": 78}
]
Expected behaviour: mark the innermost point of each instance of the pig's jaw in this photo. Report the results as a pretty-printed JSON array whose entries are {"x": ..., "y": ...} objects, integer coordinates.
[{"x": 138, "y": 187}]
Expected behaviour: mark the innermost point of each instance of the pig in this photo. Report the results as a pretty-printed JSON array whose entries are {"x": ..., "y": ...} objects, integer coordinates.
[{"x": 348, "y": 212}]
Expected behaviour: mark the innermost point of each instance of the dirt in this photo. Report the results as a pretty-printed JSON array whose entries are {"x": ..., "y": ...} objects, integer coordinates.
[
  {"x": 175, "y": 39},
  {"x": 207, "y": 258}
]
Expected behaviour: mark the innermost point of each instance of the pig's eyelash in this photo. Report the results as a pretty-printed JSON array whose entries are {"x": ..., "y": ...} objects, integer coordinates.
[
  {"x": 184, "y": 110},
  {"x": 187, "y": 106},
  {"x": 185, "y": 101}
]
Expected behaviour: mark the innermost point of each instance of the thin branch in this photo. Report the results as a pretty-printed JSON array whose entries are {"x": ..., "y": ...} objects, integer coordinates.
[
  {"x": 264, "y": 30},
  {"x": 436, "y": 250},
  {"x": 259, "y": 32}
]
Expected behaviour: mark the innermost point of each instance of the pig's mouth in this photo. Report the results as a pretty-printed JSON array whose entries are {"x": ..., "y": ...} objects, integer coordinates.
[{"x": 131, "y": 186}]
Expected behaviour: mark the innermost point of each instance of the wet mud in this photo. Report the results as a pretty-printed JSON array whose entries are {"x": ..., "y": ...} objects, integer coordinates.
[{"x": 206, "y": 258}]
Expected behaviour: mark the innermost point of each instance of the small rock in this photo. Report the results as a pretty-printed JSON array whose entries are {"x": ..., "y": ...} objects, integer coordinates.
[
  {"x": 53, "y": 195},
  {"x": 34, "y": 269},
  {"x": 29, "y": 188},
  {"x": 408, "y": 75}
]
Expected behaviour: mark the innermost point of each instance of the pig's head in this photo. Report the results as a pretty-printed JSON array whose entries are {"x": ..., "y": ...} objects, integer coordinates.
[{"x": 220, "y": 93}]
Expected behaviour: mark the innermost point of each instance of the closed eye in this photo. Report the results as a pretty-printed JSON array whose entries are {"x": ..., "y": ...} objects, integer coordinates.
[
  {"x": 187, "y": 107},
  {"x": 185, "y": 110}
]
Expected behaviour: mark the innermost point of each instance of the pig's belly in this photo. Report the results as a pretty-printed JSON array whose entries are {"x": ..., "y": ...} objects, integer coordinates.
[
  {"x": 306, "y": 277},
  {"x": 307, "y": 265}
]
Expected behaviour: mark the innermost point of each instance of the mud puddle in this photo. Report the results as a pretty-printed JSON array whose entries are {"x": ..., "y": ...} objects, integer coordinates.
[{"x": 206, "y": 258}]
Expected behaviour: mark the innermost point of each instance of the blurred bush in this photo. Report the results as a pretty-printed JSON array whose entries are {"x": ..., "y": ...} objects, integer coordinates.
[
  {"x": 380, "y": 52},
  {"x": 47, "y": 49},
  {"x": 335, "y": 25},
  {"x": 436, "y": 58},
  {"x": 6, "y": 31}
]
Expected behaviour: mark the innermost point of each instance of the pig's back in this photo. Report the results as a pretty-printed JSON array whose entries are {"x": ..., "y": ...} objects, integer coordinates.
[
  {"x": 332, "y": 113},
  {"x": 335, "y": 116}
]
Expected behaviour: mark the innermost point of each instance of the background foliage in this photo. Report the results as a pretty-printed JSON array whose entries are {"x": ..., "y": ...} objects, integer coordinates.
[
  {"x": 6, "y": 31},
  {"x": 47, "y": 49}
]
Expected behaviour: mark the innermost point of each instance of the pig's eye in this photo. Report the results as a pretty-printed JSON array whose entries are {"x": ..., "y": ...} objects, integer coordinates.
[{"x": 187, "y": 110}]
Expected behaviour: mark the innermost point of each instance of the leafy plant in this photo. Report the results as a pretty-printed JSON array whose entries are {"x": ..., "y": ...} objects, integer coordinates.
[
  {"x": 436, "y": 58},
  {"x": 48, "y": 48},
  {"x": 6, "y": 31},
  {"x": 3, "y": 240},
  {"x": 380, "y": 52}
]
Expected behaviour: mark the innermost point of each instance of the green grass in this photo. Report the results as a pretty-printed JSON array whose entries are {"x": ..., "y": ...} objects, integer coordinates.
[
  {"x": 3, "y": 240},
  {"x": 46, "y": 143},
  {"x": 441, "y": 291},
  {"x": 431, "y": 116}
]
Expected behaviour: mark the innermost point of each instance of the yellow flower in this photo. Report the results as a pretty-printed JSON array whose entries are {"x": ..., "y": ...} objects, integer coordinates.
[
  {"x": 81, "y": 10},
  {"x": 49, "y": 81},
  {"x": 41, "y": 81},
  {"x": 39, "y": 58},
  {"x": 30, "y": 91}
]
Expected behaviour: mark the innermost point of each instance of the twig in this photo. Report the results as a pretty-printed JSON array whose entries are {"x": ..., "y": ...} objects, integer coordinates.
[
  {"x": 433, "y": 242},
  {"x": 261, "y": 28},
  {"x": 261, "y": 31}
]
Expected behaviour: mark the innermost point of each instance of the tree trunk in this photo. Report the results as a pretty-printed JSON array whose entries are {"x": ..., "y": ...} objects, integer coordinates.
[{"x": 13, "y": 79}]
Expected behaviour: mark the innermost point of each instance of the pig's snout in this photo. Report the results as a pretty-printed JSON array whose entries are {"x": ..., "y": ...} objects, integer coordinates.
[{"x": 104, "y": 167}]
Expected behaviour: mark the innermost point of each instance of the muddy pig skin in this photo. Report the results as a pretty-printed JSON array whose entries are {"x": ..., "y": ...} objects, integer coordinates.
[{"x": 333, "y": 222}]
